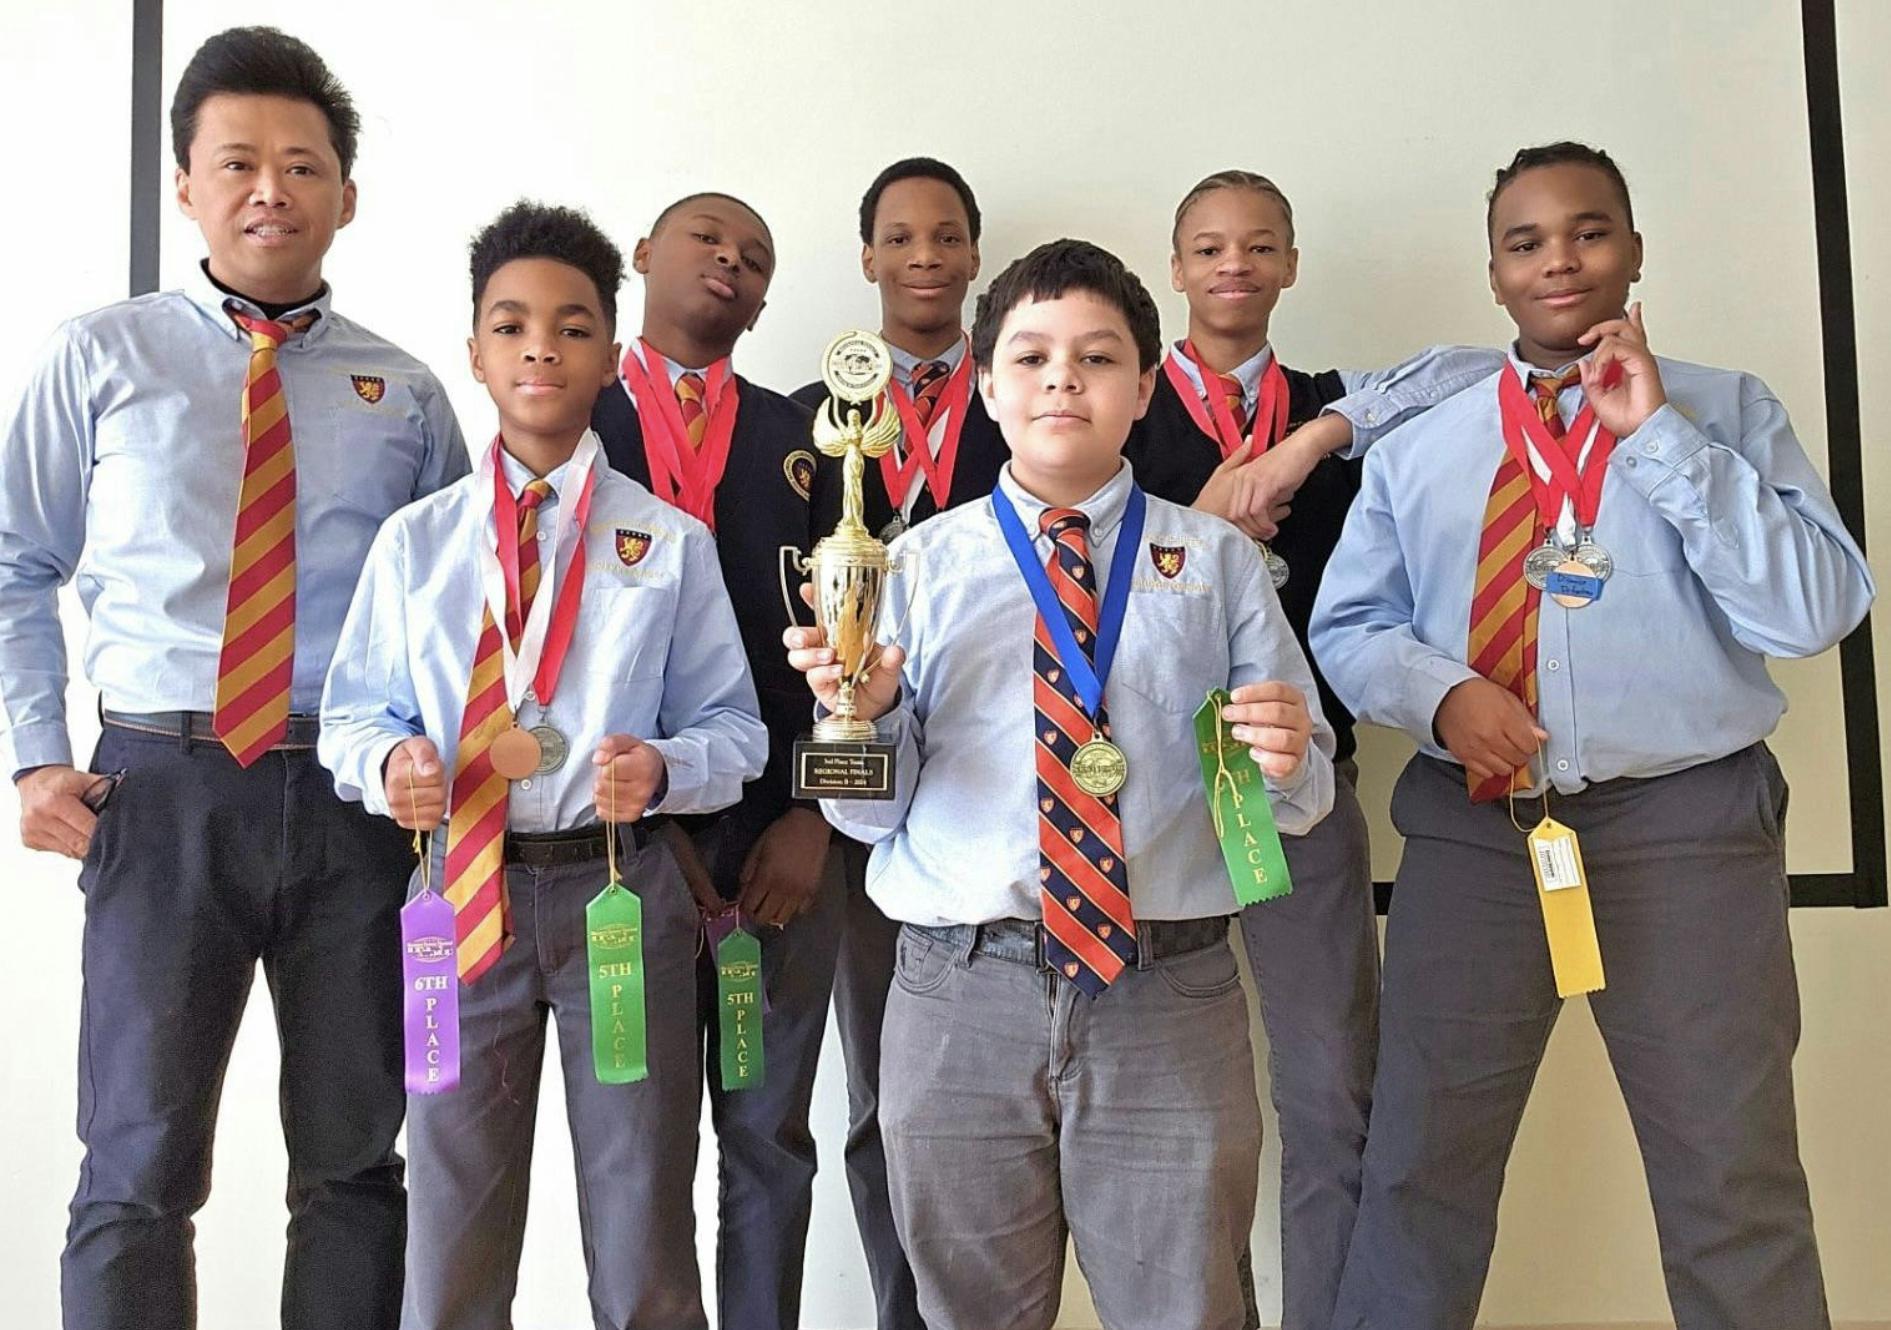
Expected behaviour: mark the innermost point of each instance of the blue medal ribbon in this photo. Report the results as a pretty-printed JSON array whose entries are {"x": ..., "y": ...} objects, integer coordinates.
[{"x": 1088, "y": 680}]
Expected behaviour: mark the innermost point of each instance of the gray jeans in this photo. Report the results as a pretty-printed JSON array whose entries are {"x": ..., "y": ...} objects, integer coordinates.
[
  {"x": 470, "y": 1150},
  {"x": 1018, "y": 1113}
]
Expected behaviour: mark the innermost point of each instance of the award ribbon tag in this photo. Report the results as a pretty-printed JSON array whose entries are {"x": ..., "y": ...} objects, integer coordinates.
[
  {"x": 1575, "y": 952},
  {"x": 613, "y": 926},
  {"x": 739, "y": 999},
  {"x": 430, "y": 984},
  {"x": 613, "y": 932},
  {"x": 1237, "y": 799}
]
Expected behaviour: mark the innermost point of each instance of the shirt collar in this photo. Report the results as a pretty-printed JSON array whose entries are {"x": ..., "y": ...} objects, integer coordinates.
[
  {"x": 1104, "y": 508},
  {"x": 1247, "y": 373},
  {"x": 216, "y": 304},
  {"x": 518, "y": 475},
  {"x": 905, "y": 362},
  {"x": 1526, "y": 371}
]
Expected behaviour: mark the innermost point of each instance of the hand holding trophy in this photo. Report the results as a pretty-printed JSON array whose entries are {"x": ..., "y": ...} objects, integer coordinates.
[{"x": 845, "y": 759}]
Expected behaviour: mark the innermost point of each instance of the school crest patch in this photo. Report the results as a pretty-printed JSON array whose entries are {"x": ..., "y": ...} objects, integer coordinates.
[
  {"x": 798, "y": 466},
  {"x": 632, "y": 546},
  {"x": 370, "y": 388},
  {"x": 1168, "y": 559}
]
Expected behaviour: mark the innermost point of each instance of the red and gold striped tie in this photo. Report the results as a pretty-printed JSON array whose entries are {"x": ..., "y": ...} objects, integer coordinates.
[
  {"x": 691, "y": 393},
  {"x": 1090, "y": 931},
  {"x": 476, "y": 812},
  {"x": 1502, "y": 643},
  {"x": 928, "y": 382},
  {"x": 257, "y": 663},
  {"x": 1237, "y": 401}
]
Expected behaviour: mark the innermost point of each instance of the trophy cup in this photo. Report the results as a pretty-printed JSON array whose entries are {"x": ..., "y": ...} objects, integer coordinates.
[{"x": 844, "y": 758}]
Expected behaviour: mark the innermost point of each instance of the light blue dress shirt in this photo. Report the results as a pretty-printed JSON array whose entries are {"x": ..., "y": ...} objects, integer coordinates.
[
  {"x": 1377, "y": 400},
  {"x": 958, "y": 844},
  {"x": 1727, "y": 550},
  {"x": 655, "y": 653},
  {"x": 905, "y": 362},
  {"x": 121, "y": 467}
]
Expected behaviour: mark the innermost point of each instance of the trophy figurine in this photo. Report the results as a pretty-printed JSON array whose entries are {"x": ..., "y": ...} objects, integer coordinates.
[{"x": 844, "y": 759}]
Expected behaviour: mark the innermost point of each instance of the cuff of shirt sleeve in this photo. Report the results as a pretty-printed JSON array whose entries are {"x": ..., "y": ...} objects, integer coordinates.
[
  {"x": 1370, "y": 415},
  {"x": 41, "y": 744},
  {"x": 675, "y": 761},
  {"x": 1665, "y": 442},
  {"x": 374, "y": 788},
  {"x": 1425, "y": 692}
]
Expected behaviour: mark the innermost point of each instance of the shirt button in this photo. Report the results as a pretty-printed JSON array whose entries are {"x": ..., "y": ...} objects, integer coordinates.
[
  {"x": 1562, "y": 766},
  {"x": 1651, "y": 447},
  {"x": 531, "y": 695},
  {"x": 526, "y": 784},
  {"x": 1553, "y": 665},
  {"x": 1628, "y": 461}
]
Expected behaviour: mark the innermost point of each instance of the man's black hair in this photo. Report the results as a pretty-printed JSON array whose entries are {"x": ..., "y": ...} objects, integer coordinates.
[
  {"x": 530, "y": 230},
  {"x": 1562, "y": 153},
  {"x": 698, "y": 197},
  {"x": 1055, "y": 269},
  {"x": 916, "y": 168},
  {"x": 262, "y": 62}
]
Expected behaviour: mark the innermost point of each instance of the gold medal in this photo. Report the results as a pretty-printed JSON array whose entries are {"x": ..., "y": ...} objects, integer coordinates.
[
  {"x": 515, "y": 754},
  {"x": 1099, "y": 768}
]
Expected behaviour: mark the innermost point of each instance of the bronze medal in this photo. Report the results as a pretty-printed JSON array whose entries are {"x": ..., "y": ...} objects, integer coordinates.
[
  {"x": 1575, "y": 568},
  {"x": 515, "y": 754},
  {"x": 1099, "y": 768}
]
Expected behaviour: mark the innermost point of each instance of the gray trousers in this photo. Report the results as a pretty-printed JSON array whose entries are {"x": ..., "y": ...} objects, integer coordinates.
[
  {"x": 1315, "y": 957},
  {"x": 1700, "y": 1017},
  {"x": 470, "y": 1149},
  {"x": 1018, "y": 1113},
  {"x": 869, "y": 944}
]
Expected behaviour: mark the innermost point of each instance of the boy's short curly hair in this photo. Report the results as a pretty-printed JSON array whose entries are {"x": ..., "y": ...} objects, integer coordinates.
[{"x": 529, "y": 230}]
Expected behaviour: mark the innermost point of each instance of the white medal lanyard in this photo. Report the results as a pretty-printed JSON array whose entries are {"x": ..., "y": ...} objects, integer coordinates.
[{"x": 521, "y": 666}]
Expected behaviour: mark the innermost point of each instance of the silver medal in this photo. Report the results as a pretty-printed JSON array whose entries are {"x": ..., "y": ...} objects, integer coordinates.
[
  {"x": 1593, "y": 557},
  {"x": 553, "y": 749},
  {"x": 1277, "y": 570},
  {"x": 893, "y": 529},
  {"x": 1540, "y": 562}
]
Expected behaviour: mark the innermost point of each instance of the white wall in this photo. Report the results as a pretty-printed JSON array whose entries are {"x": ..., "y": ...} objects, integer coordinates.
[{"x": 1383, "y": 123}]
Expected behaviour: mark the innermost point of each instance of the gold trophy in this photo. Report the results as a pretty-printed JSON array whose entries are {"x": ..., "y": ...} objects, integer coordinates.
[{"x": 844, "y": 759}]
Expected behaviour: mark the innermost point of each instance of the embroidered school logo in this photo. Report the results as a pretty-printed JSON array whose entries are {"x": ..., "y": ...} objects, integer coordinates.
[
  {"x": 430, "y": 950},
  {"x": 370, "y": 388},
  {"x": 632, "y": 546},
  {"x": 1168, "y": 559},
  {"x": 798, "y": 466}
]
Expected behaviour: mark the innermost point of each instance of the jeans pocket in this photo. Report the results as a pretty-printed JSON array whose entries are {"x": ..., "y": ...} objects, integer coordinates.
[
  {"x": 1208, "y": 973},
  {"x": 922, "y": 964}
]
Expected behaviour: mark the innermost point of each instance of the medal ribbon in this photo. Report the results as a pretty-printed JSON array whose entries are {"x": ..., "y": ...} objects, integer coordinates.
[
  {"x": 1577, "y": 463},
  {"x": 430, "y": 983},
  {"x": 740, "y": 999},
  {"x": 682, "y": 476},
  {"x": 1244, "y": 823},
  {"x": 948, "y": 419},
  {"x": 546, "y": 639},
  {"x": 1088, "y": 680},
  {"x": 1212, "y": 416}
]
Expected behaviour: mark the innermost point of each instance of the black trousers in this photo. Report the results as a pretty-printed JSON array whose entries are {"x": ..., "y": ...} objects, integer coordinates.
[{"x": 198, "y": 870}]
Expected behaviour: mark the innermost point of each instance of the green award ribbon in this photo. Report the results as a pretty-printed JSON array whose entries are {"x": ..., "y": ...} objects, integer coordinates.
[
  {"x": 1244, "y": 820},
  {"x": 739, "y": 996},
  {"x": 613, "y": 924}
]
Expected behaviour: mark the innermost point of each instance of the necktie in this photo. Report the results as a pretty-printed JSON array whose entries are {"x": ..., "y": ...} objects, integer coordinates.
[
  {"x": 691, "y": 393},
  {"x": 928, "y": 382},
  {"x": 1237, "y": 400},
  {"x": 477, "y": 806},
  {"x": 1502, "y": 643},
  {"x": 257, "y": 661},
  {"x": 1089, "y": 932}
]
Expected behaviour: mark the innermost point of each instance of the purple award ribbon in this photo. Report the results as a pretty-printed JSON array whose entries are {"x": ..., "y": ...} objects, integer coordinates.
[{"x": 430, "y": 993}]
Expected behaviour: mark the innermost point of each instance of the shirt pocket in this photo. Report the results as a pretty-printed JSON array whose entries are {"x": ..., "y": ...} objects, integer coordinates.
[
  {"x": 1174, "y": 649},
  {"x": 369, "y": 460},
  {"x": 624, "y": 631}
]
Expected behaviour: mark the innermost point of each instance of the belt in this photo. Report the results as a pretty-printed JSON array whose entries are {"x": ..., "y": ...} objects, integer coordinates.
[
  {"x": 1020, "y": 940},
  {"x": 199, "y": 726},
  {"x": 580, "y": 845}
]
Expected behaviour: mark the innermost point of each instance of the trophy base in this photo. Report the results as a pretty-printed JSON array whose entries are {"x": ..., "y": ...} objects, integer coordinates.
[{"x": 830, "y": 769}]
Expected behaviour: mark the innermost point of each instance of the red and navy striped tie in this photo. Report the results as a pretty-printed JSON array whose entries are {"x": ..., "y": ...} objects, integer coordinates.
[{"x": 1089, "y": 932}]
